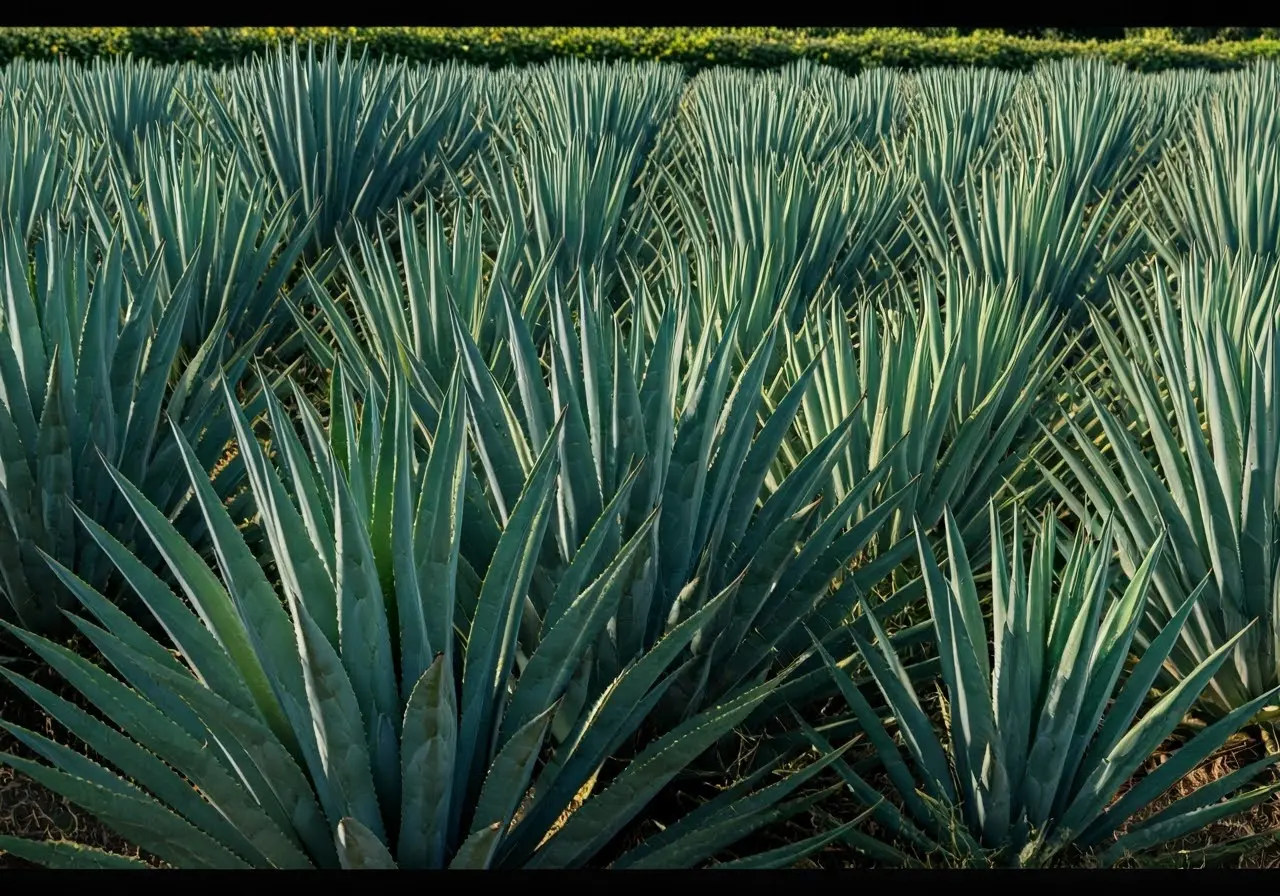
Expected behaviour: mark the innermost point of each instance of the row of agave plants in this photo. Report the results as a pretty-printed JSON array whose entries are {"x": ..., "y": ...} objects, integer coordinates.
[{"x": 445, "y": 465}]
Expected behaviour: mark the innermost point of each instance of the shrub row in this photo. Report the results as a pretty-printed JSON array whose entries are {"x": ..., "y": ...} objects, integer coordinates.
[{"x": 694, "y": 48}]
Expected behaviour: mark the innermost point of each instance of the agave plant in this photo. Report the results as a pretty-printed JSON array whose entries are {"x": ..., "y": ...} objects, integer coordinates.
[
  {"x": 567, "y": 162},
  {"x": 40, "y": 169},
  {"x": 945, "y": 381},
  {"x": 1188, "y": 415},
  {"x": 197, "y": 217},
  {"x": 1215, "y": 190},
  {"x": 88, "y": 366},
  {"x": 332, "y": 130},
  {"x": 804, "y": 112},
  {"x": 565, "y": 99},
  {"x": 780, "y": 234},
  {"x": 1041, "y": 713},
  {"x": 954, "y": 116},
  {"x": 1184, "y": 90},
  {"x": 725, "y": 526},
  {"x": 771, "y": 219},
  {"x": 873, "y": 103},
  {"x": 709, "y": 439},
  {"x": 563, "y": 206},
  {"x": 33, "y": 79},
  {"x": 455, "y": 103},
  {"x": 1021, "y": 223},
  {"x": 1090, "y": 120},
  {"x": 364, "y": 715},
  {"x": 943, "y": 388},
  {"x": 407, "y": 301},
  {"x": 117, "y": 100}
]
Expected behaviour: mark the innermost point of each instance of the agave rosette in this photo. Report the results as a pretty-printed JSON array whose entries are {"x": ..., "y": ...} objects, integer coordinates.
[
  {"x": 89, "y": 366},
  {"x": 1215, "y": 191},
  {"x": 1043, "y": 715},
  {"x": 1189, "y": 431},
  {"x": 1090, "y": 120},
  {"x": 369, "y": 719},
  {"x": 331, "y": 130},
  {"x": 199, "y": 219}
]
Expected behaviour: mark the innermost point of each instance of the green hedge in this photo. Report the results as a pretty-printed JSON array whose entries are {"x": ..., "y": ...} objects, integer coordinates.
[{"x": 695, "y": 48}]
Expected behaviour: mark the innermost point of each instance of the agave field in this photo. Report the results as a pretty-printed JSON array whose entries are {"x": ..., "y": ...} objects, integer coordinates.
[{"x": 588, "y": 465}]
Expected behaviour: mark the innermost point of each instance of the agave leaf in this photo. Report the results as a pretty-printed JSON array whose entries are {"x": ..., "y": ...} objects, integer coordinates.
[
  {"x": 580, "y": 495},
  {"x": 625, "y": 702},
  {"x": 23, "y": 319},
  {"x": 217, "y": 611},
  {"x": 1138, "y": 685},
  {"x": 876, "y": 733},
  {"x": 586, "y": 559},
  {"x": 884, "y": 812},
  {"x": 477, "y": 851},
  {"x": 54, "y": 465},
  {"x": 491, "y": 645},
  {"x": 718, "y": 807},
  {"x": 689, "y": 467},
  {"x": 428, "y": 755},
  {"x": 365, "y": 642},
  {"x": 69, "y": 855},
  {"x": 695, "y": 844},
  {"x": 763, "y": 452},
  {"x": 1192, "y": 812},
  {"x": 1117, "y": 637},
  {"x": 257, "y": 756},
  {"x": 255, "y": 836},
  {"x": 261, "y": 608},
  {"x": 436, "y": 534},
  {"x": 510, "y": 773},
  {"x": 793, "y": 853},
  {"x": 604, "y": 814},
  {"x": 344, "y": 752},
  {"x": 495, "y": 440},
  {"x": 360, "y": 849},
  {"x": 894, "y": 682},
  {"x": 1141, "y": 740},
  {"x": 735, "y": 427},
  {"x": 207, "y": 659},
  {"x": 316, "y": 511},
  {"x": 128, "y": 810},
  {"x": 560, "y": 651},
  {"x": 1192, "y": 754}
]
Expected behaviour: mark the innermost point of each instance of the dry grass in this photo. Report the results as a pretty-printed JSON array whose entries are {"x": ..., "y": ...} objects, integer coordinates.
[{"x": 575, "y": 804}]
